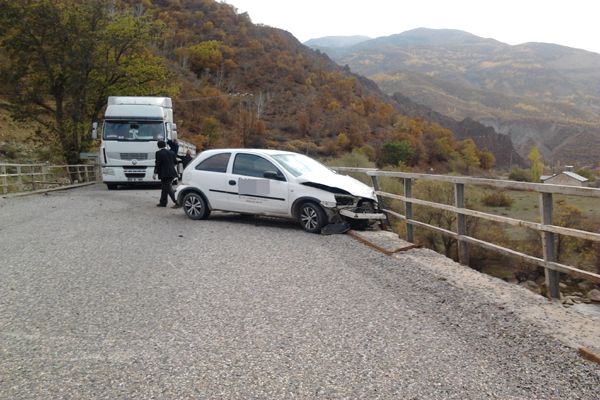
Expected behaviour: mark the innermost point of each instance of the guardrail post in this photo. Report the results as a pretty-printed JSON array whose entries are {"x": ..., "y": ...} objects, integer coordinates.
[
  {"x": 19, "y": 179},
  {"x": 549, "y": 247},
  {"x": 410, "y": 235},
  {"x": 461, "y": 223},
  {"x": 376, "y": 186},
  {"x": 4, "y": 179},
  {"x": 45, "y": 175},
  {"x": 32, "y": 171}
]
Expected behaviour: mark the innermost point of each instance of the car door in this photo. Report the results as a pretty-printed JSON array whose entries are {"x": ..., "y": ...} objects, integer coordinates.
[
  {"x": 210, "y": 175},
  {"x": 262, "y": 187}
]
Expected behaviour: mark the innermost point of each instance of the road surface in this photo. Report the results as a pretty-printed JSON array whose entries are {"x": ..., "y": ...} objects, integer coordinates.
[{"x": 103, "y": 295}]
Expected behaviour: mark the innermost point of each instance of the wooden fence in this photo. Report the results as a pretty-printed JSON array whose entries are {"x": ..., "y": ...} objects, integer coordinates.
[
  {"x": 16, "y": 178},
  {"x": 548, "y": 231}
]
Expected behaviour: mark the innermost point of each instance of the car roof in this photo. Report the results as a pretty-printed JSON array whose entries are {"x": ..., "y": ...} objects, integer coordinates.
[{"x": 269, "y": 152}]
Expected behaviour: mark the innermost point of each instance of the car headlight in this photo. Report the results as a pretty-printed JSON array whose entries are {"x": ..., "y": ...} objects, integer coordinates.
[
  {"x": 328, "y": 204},
  {"x": 108, "y": 171}
]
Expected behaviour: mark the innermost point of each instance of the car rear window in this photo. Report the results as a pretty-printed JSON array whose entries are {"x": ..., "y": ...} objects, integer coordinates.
[{"x": 216, "y": 163}]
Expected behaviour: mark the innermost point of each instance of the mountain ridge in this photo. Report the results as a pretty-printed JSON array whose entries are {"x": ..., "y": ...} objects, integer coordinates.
[{"x": 520, "y": 90}]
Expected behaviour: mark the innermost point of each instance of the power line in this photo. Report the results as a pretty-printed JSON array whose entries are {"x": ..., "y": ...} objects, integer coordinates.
[{"x": 217, "y": 96}]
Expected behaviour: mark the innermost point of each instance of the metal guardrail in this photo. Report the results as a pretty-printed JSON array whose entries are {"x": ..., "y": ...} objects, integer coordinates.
[
  {"x": 548, "y": 231},
  {"x": 16, "y": 178}
]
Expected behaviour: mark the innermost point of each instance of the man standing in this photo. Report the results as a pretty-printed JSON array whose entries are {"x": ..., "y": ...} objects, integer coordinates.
[
  {"x": 164, "y": 167},
  {"x": 185, "y": 160}
]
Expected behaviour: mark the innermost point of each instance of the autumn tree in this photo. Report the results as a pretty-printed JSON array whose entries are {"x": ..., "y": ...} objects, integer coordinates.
[
  {"x": 469, "y": 153},
  {"x": 63, "y": 58},
  {"x": 536, "y": 164},
  {"x": 211, "y": 128},
  {"x": 486, "y": 160}
]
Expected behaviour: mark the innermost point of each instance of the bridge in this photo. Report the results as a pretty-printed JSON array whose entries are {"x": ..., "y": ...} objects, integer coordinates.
[{"x": 102, "y": 295}]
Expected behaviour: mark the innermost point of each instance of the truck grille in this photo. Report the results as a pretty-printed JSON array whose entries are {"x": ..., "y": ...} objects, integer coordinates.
[
  {"x": 133, "y": 168},
  {"x": 134, "y": 156},
  {"x": 134, "y": 172},
  {"x": 135, "y": 175}
]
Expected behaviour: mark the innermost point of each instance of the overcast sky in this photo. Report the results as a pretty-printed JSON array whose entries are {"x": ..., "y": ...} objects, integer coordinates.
[{"x": 574, "y": 23}]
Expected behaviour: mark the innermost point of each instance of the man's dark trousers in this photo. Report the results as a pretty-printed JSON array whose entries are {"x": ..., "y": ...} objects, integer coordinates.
[
  {"x": 166, "y": 189},
  {"x": 164, "y": 167}
]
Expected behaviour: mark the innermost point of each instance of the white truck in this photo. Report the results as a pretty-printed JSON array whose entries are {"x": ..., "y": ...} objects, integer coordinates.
[{"x": 130, "y": 131}]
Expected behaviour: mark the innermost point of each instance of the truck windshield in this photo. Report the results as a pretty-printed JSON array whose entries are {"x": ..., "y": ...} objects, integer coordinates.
[{"x": 134, "y": 131}]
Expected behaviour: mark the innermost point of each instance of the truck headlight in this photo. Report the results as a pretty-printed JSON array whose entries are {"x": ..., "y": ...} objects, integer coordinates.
[{"x": 108, "y": 171}]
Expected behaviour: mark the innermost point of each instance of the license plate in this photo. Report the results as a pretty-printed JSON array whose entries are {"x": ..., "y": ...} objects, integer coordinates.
[{"x": 134, "y": 179}]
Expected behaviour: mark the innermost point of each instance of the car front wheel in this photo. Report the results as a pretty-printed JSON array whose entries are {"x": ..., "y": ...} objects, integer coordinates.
[
  {"x": 195, "y": 206},
  {"x": 312, "y": 217}
]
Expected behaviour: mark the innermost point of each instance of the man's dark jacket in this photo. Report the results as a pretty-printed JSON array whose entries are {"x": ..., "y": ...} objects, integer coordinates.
[{"x": 164, "y": 165}]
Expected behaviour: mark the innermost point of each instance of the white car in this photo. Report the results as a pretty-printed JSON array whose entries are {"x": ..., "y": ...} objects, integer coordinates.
[{"x": 274, "y": 183}]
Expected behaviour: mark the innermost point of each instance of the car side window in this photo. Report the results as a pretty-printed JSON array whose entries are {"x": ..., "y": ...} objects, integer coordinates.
[
  {"x": 216, "y": 163},
  {"x": 252, "y": 165}
]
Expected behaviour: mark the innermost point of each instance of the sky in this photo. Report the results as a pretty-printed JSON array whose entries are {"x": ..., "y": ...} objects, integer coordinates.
[{"x": 573, "y": 23}]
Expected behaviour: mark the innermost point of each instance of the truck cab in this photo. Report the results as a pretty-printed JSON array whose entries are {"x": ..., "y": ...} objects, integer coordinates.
[{"x": 131, "y": 128}]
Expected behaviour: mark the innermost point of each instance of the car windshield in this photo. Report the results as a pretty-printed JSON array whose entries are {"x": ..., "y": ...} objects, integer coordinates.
[
  {"x": 134, "y": 131},
  {"x": 297, "y": 164}
]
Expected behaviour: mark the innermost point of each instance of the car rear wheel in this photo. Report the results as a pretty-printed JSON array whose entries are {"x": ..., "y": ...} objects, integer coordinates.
[
  {"x": 311, "y": 217},
  {"x": 194, "y": 206}
]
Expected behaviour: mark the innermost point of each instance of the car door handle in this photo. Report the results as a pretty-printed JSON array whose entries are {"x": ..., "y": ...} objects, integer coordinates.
[{"x": 232, "y": 182}]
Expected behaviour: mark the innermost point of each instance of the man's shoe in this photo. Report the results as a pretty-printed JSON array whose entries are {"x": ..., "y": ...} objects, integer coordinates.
[
  {"x": 161, "y": 205},
  {"x": 175, "y": 206}
]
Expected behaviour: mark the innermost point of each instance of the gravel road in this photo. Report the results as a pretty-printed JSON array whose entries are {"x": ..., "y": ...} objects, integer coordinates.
[{"x": 103, "y": 295}]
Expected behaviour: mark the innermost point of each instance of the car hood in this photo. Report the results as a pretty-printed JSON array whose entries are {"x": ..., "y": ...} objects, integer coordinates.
[{"x": 336, "y": 183}]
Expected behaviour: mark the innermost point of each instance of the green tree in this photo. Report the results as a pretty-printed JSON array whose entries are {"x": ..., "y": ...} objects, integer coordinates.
[
  {"x": 469, "y": 153},
  {"x": 63, "y": 58},
  {"x": 396, "y": 152},
  {"x": 536, "y": 164},
  {"x": 211, "y": 128},
  {"x": 205, "y": 56},
  {"x": 587, "y": 173}
]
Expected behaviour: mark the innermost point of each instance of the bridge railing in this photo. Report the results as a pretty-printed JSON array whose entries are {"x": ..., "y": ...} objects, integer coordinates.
[
  {"x": 15, "y": 178},
  {"x": 548, "y": 231}
]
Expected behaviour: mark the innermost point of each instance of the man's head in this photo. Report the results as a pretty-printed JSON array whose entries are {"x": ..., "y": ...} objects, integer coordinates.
[
  {"x": 188, "y": 153},
  {"x": 161, "y": 144}
]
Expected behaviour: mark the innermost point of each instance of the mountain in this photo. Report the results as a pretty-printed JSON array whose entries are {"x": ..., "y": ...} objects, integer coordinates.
[
  {"x": 334, "y": 42},
  {"x": 537, "y": 93},
  {"x": 233, "y": 83}
]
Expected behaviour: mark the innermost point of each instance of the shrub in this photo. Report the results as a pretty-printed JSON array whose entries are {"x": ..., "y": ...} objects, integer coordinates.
[
  {"x": 520, "y": 174},
  {"x": 356, "y": 159},
  {"x": 497, "y": 199}
]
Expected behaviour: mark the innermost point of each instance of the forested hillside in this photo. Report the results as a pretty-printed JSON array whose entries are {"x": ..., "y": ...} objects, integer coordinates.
[
  {"x": 537, "y": 93},
  {"x": 233, "y": 83}
]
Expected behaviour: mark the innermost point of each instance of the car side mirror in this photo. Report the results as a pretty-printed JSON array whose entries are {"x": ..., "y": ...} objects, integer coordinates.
[
  {"x": 94, "y": 130},
  {"x": 273, "y": 175}
]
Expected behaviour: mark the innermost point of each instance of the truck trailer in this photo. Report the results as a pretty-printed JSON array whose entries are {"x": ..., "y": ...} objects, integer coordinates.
[{"x": 130, "y": 131}]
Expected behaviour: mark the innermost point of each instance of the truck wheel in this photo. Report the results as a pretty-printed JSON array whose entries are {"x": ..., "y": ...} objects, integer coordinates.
[
  {"x": 111, "y": 186},
  {"x": 311, "y": 217},
  {"x": 195, "y": 206}
]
